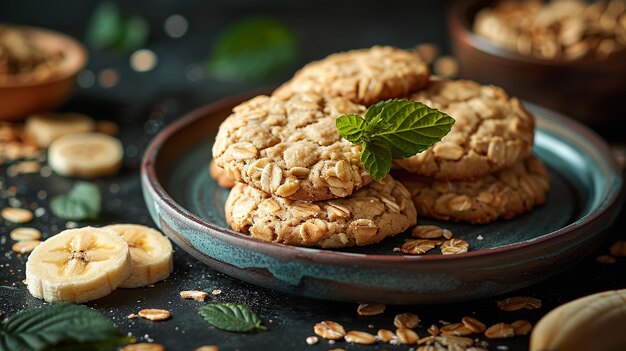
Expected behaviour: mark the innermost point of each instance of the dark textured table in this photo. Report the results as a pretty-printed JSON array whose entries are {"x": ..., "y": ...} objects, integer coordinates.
[{"x": 144, "y": 102}]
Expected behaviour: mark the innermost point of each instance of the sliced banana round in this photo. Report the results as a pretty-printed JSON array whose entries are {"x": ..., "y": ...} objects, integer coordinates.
[
  {"x": 150, "y": 251},
  {"x": 86, "y": 155},
  {"x": 78, "y": 265},
  {"x": 46, "y": 127}
]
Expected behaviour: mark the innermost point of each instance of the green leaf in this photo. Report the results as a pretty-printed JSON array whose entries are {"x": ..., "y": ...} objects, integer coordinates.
[
  {"x": 351, "y": 127},
  {"x": 104, "y": 26},
  {"x": 376, "y": 158},
  {"x": 252, "y": 49},
  {"x": 60, "y": 327},
  {"x": 134, "y": 34},
  {"x": 393, "y": 129},
  {"x": 231, "y": 317},
  {"x": 82, "y": 202},
  {"x": 410, "y": 127}
]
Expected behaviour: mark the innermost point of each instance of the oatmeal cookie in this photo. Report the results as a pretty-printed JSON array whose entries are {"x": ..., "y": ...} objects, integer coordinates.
[
  {"x": 371, "y": 214},
  {"x": 219, "y": 175},
  {"x": 504, "y": 194},
  {"x": 290, "y": 147},
  {"x": 364, "y": 76},
  {"x": 492, "y": 131}
]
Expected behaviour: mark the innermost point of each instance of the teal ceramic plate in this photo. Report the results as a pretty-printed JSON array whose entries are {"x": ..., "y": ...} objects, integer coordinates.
[{"x": 583, "y": 201}]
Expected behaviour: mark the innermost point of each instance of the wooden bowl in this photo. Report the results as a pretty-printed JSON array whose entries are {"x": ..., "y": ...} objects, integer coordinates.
[
  {"x": 21, "y": 95},
  {"x": 588, "y": 89}
]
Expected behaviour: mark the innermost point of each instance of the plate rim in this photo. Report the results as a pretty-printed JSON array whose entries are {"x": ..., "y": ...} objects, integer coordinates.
[{"x": 151, "y": 181}]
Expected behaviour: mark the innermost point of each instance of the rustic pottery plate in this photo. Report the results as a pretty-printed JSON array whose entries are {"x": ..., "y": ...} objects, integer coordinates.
[{"x": 584, "y": 199}]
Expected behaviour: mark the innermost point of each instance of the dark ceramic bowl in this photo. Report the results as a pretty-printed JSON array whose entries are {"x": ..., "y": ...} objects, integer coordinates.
[
  {"x": 589, "y": 90},
  {"x": 188, "y": 206},
  {"x": 21, "y": 94}
]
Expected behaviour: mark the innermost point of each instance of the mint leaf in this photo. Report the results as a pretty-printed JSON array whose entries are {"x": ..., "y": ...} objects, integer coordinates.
[
  {"x": 231, "y": 317},
  {"x": 60, "y": 327},
  {"x": 252, "y": 49},
  {"x": 393, "y": 129},
  {"x": 351, "y": 127},
  {"x": 111, "y": 29},
  {"x": 82, "y": 202},
  {"x": 376, "y": 157}
]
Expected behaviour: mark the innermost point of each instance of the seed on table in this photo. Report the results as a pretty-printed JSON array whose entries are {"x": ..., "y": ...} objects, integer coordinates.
[
  {"x": 407, "y": 336},
  {"x": 500, "y": 331},
  {"x": 419, "y": 246},
  {"x": 457, "y": 329},
  {"x": 155, "y": 314},
  {"x": 474, "y": 325},
  {"x": 454, "y": 246},
  {"x": 216, "y": 292},
  {"x": 25, "y": 247},
  {"x": 207, "y": 348},
  {"x": 427, "y": 232},
  {"x": 329, "y": 330},
  {"x": 447, "y": 234},
  {"x": 194, "y": 294},
  {"x": 618, "y": 249},
  {"x": 370, "y": 309},
  {"x": 312, "y": 340},
  {"x": 519, "y": 302},
  {"x": 25, "y": 233},
  {"x": 359, "y": 337},
  {"x": 385, "y": 335},
  {"x": 522, "y": 327},
  {"x": 447, "y": 340},
  {"x": 143, "y": 346},
  {"x": 16, "y": 215},
  {"x": 406, "y": 320}
]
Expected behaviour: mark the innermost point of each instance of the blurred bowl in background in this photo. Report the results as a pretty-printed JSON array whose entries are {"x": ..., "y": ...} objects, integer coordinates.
[
  {"x": 590, "y": 90},
  {"x": 21, "y": 95}
]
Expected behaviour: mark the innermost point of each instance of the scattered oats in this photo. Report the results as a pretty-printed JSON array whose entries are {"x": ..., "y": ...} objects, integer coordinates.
[
  {"x": 446, "y": 66},
  {"x": 359, "y": 337},
  {"x": 406, "y": 320},
  {"x": 454, "y": 246},
  {"x": 607, "y": 259},
  {"x": 216, "y": 292},
  {"x": 143, "y": 346},
  {"x": 207, "y": 348},
  {"x": 71, "y": 225},
  {"x": 371, "y": 326},
  {"x": 312, "y": 340},
  {"x": 332, "y": 342},
  {"x": 522, "y": 327},
  {"x": 16, "y": 215},
  {"x": 456, "y": 329},
  {"x": 370, "y": 309},
  {"x": 25, "y": 233},
  {"x": 447, "y": 234},
  {"x": 397, "y": 249},
  {"x": 474, "y": 325},
  {"x": 618, "y": 249},
  {"x": 500, "y": 331},
  {"x": 194, "y": 294},
  {"x": 502, "y": 347},
  {"x": 442, "y": 322},
  {"x": 131, "y": 316},
  {"x": 407, "y": 336},
  {"x": 24, "y": 167},
  {"x": 107, "y": 127},
  {"x": 329, "y": 330},
  {"x": 519, "y": 302},
  {"x": 419, "y": 246},
  {"x": 25, "y": 247},
  {"x": 427, "y": 232},
  {"x": 154, "y": 314},
  {"x": 433, "y": 330},
  {"x": 40, "y": 212},
  {"x": 480, "y": 237},
  {"x": 384, "y": 335}
]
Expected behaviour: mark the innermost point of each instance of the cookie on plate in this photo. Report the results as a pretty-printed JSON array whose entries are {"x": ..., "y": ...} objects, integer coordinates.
[
  {"x": 364, "y": 76},
  {"x": 290, "y": 147},
  {"x": 219, "y": 175},
  {"x": 492, "y": 131},
  {"x": 504, "y": 194},
  {"x": 371, "y": 214}
]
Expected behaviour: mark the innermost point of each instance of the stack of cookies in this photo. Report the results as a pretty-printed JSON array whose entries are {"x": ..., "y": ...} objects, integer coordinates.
[{"x": 296, "y": 181}]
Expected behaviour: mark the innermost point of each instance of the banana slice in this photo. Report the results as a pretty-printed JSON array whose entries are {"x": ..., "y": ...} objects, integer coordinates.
[
  {"x": 78, "y": 265},
  {"x": 150, "y": 251},
  {"x": 86, "y": 155},
  {"x": 45, "y": 128}
]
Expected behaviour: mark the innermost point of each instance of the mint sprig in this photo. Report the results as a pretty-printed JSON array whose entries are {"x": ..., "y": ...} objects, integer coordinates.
[
  {"x": 231, "y": 317},
  {"x": 82, "y": 202},
  {"x": 393, "y": 129},
  {"x": 60, "y": 327}
]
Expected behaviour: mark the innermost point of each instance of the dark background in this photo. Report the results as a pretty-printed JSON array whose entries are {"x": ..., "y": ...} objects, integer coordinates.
[{"x": 145, "y": 102}]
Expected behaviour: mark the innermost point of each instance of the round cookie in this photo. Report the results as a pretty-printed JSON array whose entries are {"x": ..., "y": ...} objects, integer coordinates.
[
  {"x": 364, "y": 76},
  {"x": 504, "y": 194},
  {"x": 371, "y": 214},
  {"x": 219, "y": 175},
  {"x": 291, "y": 148},
  {"x": 492, "y": 131}
]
